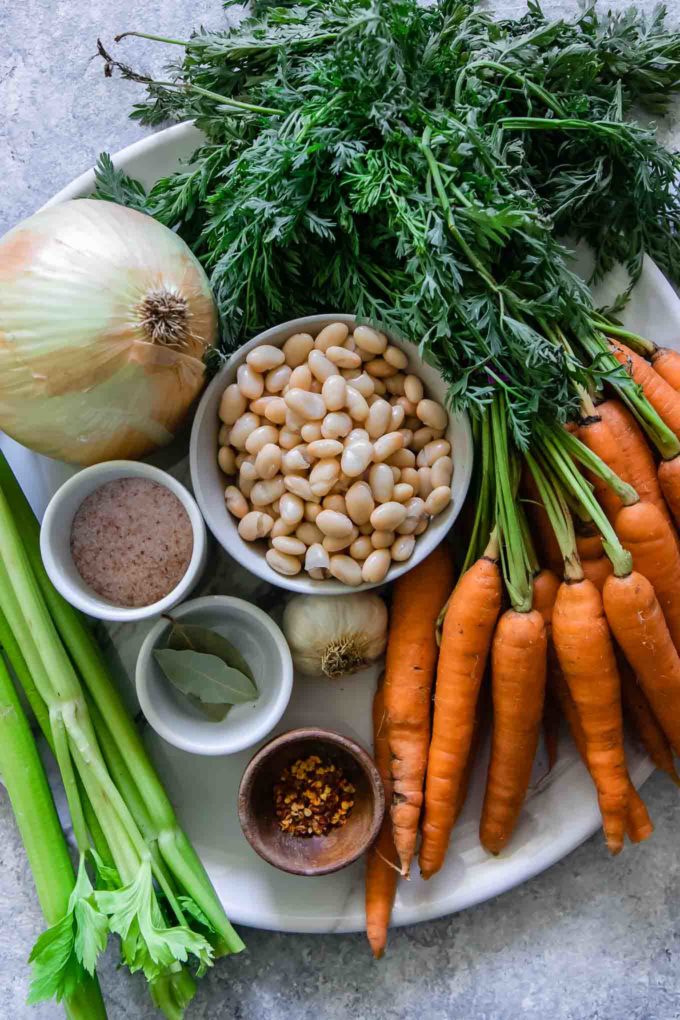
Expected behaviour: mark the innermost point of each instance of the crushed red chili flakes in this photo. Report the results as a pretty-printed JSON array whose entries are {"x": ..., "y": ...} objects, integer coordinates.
[{"x": 312, "y": 797}]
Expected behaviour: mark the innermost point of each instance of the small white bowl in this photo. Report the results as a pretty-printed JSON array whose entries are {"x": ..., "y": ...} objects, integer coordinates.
[
  {"x": 264, "y": 648},
  {"x": 55, "y": 540},
  {"x": 209, "y": 483}
]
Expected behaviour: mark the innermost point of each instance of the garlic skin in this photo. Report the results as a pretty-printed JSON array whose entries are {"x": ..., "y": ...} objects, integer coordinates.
[{"x": 335, "y": 636}]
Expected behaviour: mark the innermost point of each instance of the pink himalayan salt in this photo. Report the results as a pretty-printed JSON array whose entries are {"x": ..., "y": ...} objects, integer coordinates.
[{"x": 131, "y": 541}]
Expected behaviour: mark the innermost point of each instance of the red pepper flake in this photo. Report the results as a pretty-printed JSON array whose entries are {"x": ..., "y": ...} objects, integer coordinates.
[{"x": 312, "y": 797}]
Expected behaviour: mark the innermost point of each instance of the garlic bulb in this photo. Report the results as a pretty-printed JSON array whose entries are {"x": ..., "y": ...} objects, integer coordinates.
[
  {"x": 335, "y": 635},
  {"x": 105, "y": 318}
]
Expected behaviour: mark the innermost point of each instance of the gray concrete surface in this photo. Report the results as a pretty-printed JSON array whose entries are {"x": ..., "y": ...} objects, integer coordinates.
[{"x": 590, "y": 939}]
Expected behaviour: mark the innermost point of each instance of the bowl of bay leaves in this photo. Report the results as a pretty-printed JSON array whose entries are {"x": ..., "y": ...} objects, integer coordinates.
[{"x": 214, "y": 676}]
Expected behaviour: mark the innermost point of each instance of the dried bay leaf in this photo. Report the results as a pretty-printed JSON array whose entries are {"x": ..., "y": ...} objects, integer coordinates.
[
  {"x": 206, "y": 677},
  {"x": 191, "y": 636}
]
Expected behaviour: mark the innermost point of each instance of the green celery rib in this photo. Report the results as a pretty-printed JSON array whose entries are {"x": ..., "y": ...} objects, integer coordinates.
[{"x": 36, "y": 816}]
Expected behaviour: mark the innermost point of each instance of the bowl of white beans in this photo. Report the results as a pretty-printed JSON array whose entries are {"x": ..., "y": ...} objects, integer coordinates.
[{"x": 323, "y": 457}]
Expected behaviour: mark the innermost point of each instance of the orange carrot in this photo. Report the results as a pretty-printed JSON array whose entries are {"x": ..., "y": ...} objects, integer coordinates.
[
  {"x": 638, "y": 825},
  {"x": 638, "y": 458},
  {"x": 637, "y": 621},
  {"x": 418, "y": 597},
  {"x": 542, "y": 529},
  {"x": 589, "y": 544},
  {"x": 595, "y": 433},
  {"x": 546, "y": 586},
  {"x": 518, "y": 671},
  {"x": 661, "y": 395},
  {"x": 666, "y": 362},
  {"x": 649, "y": 539},
  {"x": 586, "y": 656},
  {"x": 597, "y": 570},
  {"x": 669, "y": 480},
  {"x": 382, "y": 869},
  {"x": 643, "y": 722},
  {"x": 468, "y": 628}
]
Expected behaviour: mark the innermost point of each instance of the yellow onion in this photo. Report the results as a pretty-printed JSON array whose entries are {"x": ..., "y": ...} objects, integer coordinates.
[{"x": 105, "y": 318}]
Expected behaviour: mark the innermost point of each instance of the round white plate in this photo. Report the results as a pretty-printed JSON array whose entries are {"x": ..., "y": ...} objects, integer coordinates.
[{"x": 559, "y": 814}]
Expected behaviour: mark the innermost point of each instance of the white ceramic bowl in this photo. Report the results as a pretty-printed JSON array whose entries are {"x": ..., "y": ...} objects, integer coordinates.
[
  {"x": 264, "y": 648},
  {"x": 209, "y": 483},
  {"x": 55, "y": 540}
]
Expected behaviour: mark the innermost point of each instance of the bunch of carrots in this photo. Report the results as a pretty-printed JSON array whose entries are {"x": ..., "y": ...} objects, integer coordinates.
[{"x": 568, "y": 602}]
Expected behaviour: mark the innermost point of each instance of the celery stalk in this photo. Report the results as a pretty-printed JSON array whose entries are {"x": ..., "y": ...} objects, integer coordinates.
[{"x": 36, "y": 817}]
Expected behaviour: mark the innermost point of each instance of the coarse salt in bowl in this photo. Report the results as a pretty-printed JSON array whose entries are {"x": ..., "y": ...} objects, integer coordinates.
[{"x": 55, "y": 540}]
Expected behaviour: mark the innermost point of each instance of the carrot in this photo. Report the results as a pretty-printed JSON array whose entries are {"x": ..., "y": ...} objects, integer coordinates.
[
  {"x": 638, "y": 623},
  {"x": 638, "y": 712},
  {"x": 638, "y": 824},
  {"x": 541, "y": 527},
  {"x": 597, "y": 570},
  {"x": 666, "y": 362},
  {"x": 589, "y": 545},
  {"x": 648, "y": 538},
  {"x": 410, "y": 663},
  {"x": 669, "y": 481},
  {"x": 382, "y": 871},
  {"x": 546, "y": 585},
  {"x": 586, "y": 657},
  {"x": 659, "y": 393},
  {"x": 638, "y": 458},
  {"x": 596, "y": 434},
  {"x": 518, "y": 671},
  {"x": 545, "y": 588},
  {"x": 466, "y": 638}
]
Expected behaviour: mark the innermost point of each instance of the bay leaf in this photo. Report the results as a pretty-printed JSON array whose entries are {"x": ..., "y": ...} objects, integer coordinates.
[
  {"x": 191, "y": 636},
  {"x": 206, "y": 677}
]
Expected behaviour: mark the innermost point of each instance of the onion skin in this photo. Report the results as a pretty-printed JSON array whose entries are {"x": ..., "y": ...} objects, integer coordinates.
[{"x": 105, "y": 319}]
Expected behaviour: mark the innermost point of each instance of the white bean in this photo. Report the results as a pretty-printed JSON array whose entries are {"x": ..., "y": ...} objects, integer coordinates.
[
  {"x": 259, "y": 406},
  {"x": 320, "y": 366},
  {"x": 434, "y": 450},
  {"x": 296, "y": 460},
  {"x": 379, "y": 387},
  {"x": 301, "y": 378},
  {"x": 395, "y": 356},
  {"x": 361, "y": 547},
  {"x": 275, "y": 411},
  {"x": 280, "y": 528},
  {"x": 415, "y": 513},
  {"x": 223, "y": 435},
  {"x": 382, "y": 539},
  {"x": 282, "y": 563},
  {"x": 402, "y": 459},
  {"x": 376, "y": 566},
  {"x": 423, "y": 526},
  {"x": 335, "y": 425},
  {"x": 265, "y": 435},
  {"x": 242, "y": 428},
  {"x": 350, "y": 373},
  {"x": 323, "y": 476},
  {"x": 309, "y": 533},
  {"x": 265, "y": 492},
  {"x": 396, "y": 472},
  {"x": 307, "y": 405},
  {"x": 288, "y": 544},
  {"x": 291, "y": 508},
  {"x": 333, "y": 545},
  {"x": 437, "y": 500},
  {"x": 421, "y": 437},
  {"x": 345, "y": 569},
  {"x": 312, "y": 510},
  {"x": 359, "y": 502},
  {"x": 227, "y": 460},
  {"x": 268, "y": 460},
  {"x": 334, "y": 392},
  {"x": 411, "y": 477},
  {"x": 247, "y": 476},
  {"x": 369, "y": 340},
  {"x": 408, "y": 437},
  {"x": 380, "y": 369},
  {"x": 277, "y": 379},
  {"x": 232, "y": 405},
  {"x": 409, "y": 407},
  {"x": 413, "y": 389},
  {"x": 334, "y": 502},
  {"x": 356, "y": 457},
  {"x": 356, "y": 404},
  {"x": 296, "y": 349},
  {"x": 255, "y": 525},
  {"x": 316, "y": 558},
  {"x": 235, "y": 501},
  {"x": 343, "y": 358},
  {"x": 355, "y": 436},
  {"x": 381, "y": 480},
  {"x": 388, "y": 516},
  {"x": 425, "y": 487},
  {"x": 250, "y": 383},
  {"x": 403, "y": 547},
  {"x": 366, "y": 529},
  {"x": 364, "y": 384},
  {"x": 397, "y": 415},
  {"x": 334, "y": 524},
  {"x": 288, "y": 439},
  {"x": 265, "y": 357},
  {"x": 293, "y": 422},
  {"x": 441, "y": 472},
  {"x": 333, "y": 335},
  {"x": 402, "y": 492},
  {"x": 387, "y": 445},
  {"x": 379, "y": 418},
  {"x": 432, "y": 414},
  {"x": 395, "y": 385},
  {"x": 323, "y": 448}
]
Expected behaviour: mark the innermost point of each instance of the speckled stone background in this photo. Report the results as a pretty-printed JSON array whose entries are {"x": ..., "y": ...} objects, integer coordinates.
[{"x": 590, "y": 939}]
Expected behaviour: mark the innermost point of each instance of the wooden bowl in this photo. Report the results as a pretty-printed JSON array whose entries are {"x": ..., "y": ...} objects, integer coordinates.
[{"x": 310, "y": 855}]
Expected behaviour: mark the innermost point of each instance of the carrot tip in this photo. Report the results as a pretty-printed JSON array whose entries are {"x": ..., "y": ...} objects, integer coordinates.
[{"x": 378, "y": 953}]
